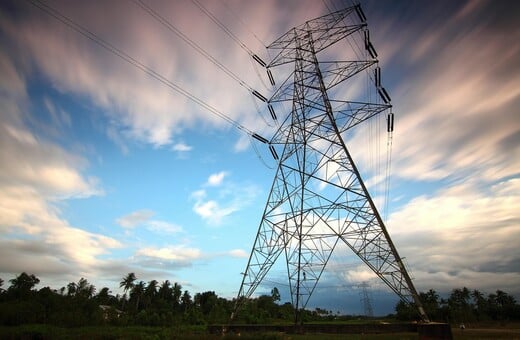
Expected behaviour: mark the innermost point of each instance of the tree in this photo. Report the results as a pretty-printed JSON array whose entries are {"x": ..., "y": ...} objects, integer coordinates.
[
  {"x": 103, "y": 297},
  {"x": 430, "y": 301},
  {"x": 459, "y": 306},
  {"x": 23, "y": 284},
  {"x": 150, "y": 293},
  {"x": 405, "y": 311},
  {"x": 165, "y": 290},
  {"x": 151, "y": 289},
  {"x": 186, "y": 301},
  {"x": 480, "y": 305},
  {"x": 84, "y": 289},
  {"x": 127, "y": 283},
  {"x": 137, "y": 293},
  {"x": 502, "y": 306},
  {"x": 176, "y": 294}
]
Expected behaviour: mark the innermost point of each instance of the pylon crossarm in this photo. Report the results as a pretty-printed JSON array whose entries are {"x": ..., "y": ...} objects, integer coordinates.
[{"x": 329, "y": 29}]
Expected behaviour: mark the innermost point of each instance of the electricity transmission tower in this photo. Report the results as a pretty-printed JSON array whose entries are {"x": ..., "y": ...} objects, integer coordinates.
[
  {"x": 365, "y": 299},
  {"x": 318, "y": 199}
]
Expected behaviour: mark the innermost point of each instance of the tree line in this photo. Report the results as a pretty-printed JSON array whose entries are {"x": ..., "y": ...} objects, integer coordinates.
[
  {"x": 142, "y": 303},
  {"x": 464, "y": 306},
  {"x": 164, "y": 303}
]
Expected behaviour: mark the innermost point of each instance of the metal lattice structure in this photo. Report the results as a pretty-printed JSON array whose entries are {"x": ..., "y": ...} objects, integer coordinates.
[{"x": 318, "y": 199}]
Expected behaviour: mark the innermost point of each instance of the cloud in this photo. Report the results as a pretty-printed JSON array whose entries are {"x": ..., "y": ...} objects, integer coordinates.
[
  {"x": 135, "y": 218},
  {"x": 231, "y": 198},
  {"x": 40, "y": 239},
  {"x": 212, "y": 212},
  {"x": 181, "y": 147},
  {"x": 456, "y": 110},
  {"x": 138, "y": 106},
  {"x": 180, "y": 254},
  {"x": 462, "y": 234},
  {"x": 240, "y": 253},
  {"x": 28, "y": 159},
  {"x": 163, "y": 227},
  {"x": 58, "y": 116},
  {"x": 144, "y": 218},
  {"x": 36, "y": 175},
  {"x": 216, "y": 179}
]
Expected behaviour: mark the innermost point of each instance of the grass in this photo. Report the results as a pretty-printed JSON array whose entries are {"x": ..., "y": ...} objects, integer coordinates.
[{"x": 491, "y": 331}]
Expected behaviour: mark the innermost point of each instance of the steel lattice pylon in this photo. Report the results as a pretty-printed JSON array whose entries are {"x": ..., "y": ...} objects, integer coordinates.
[{"x": 318, "y": 199}]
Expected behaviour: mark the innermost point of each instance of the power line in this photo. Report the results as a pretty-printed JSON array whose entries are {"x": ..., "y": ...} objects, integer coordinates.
[
  {"x": 190, "y": 42},
  {"x": 244, "y": 24},
  {"x": 134, "y": 62},
  {"x": 235, "y": 39},
  {"x": 165, "y": 22},
  {"x": 223, "y": 27}
]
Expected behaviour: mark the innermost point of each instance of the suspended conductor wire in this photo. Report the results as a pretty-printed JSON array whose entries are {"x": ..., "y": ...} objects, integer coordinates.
[
  {"x": 243, "y": 23},
  {"x": 255, "y": 103},
  {"x": 194, "y": 45},
  {"x": 255, "y": 67},
  {"x": 223, "y": 27},
  {"x": 252, "y": 142},
  {"x": 134, "y": 62},
  {"x": 190, "y": 42}
]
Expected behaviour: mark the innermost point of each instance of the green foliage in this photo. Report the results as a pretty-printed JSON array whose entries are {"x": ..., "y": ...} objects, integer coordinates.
[
  {"x": 463, "y": 305},
  {"x": 155, "y": 304}
]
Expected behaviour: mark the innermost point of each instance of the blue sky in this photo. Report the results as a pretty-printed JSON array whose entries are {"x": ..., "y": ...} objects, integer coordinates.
[{"x": 104, "y": 170}]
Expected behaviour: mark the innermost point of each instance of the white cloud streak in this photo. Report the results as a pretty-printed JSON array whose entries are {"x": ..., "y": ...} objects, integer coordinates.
[
  {"x": 230, "y": 198},
  {"x": 135, "y": 218},
  {"x": 216, "y": 179}
]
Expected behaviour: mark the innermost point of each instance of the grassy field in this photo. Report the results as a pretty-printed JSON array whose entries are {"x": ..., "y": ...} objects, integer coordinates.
[{"x": 510, "y": 331}]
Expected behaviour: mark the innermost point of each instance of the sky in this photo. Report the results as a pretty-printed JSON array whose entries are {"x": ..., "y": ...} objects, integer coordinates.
[{"x": 105, "y": 170}]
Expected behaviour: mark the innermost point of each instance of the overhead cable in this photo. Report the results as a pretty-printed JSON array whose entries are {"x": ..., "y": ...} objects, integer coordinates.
[
  {"x": 190, "y": 42},
  {"x": 134, "y": 62},
  {"x": 223, "y": 27}
]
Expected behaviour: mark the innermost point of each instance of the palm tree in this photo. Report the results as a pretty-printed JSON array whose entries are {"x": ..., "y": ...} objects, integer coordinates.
[
  {"x": 176, "y": 294},
  {"x": 72, "y": 289},
  {"x": 85, "y": 289},
  {"x": 138, "y": 292},
  {"x": 165, "y": 291},
  {"x": 479, "y": 303},
  {"x": 150, "y": 292},
  {"x": 186, "y": 301},
  {"x": 151, "y": 289},
  {"x": 127, "y": 283}
]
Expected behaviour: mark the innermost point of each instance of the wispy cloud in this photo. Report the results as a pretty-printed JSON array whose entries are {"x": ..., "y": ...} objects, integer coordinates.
[
  {"x": 462, "y": 229},
  {"x": 135, "y": 218},
  {"x": 182, "y": 147},
  {"x": 216, "y": 179},
  {"x": 229, "y": 198},
  {"x": 240, "y": 253},
  {"x": 35, "y": 176},
  {"x": 172, "y": 253},
  {"x": 143, "y": 218}
]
